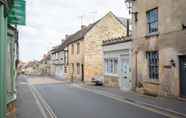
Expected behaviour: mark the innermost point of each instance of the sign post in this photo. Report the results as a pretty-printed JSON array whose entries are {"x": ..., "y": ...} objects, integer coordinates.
[{"x": 17, "y": 13}]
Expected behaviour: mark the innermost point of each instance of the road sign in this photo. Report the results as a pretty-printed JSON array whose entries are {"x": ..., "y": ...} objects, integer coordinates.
[{"x": 17, "y": 13}]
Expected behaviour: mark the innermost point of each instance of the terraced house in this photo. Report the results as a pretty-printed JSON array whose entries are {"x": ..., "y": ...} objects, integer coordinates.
[
  {"x": 85, "y": 51},
  {"x": 117, "y": 62},
  {"x": 57, "y": 61},
  {"x": 159, "y": 50}
]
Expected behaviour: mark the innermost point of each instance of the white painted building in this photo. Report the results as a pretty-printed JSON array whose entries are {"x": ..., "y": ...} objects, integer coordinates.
[
  {"x": 117, "y": 62},
  {"x": 57, "y": 62}
]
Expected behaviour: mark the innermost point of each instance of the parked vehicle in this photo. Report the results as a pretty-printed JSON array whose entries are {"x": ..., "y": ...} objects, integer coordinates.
[{"x": 98, "y": 80}]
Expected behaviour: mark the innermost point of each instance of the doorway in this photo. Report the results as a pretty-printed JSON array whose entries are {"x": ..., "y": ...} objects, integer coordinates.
[
  {"x": 183, "y": 75},
  {"x": 125, "y": 83},
  {"x": 82, "y": 72}
]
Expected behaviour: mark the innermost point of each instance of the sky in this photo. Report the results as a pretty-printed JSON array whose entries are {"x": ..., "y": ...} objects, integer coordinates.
[{"x": 48, "y": 21}]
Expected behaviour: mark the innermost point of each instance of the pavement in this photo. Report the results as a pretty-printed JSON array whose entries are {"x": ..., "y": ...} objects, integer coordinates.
[
  {"x": 166, "y": 104},
  {"x": 45, "y": 97},
  {"x": 26, "y": 105}
]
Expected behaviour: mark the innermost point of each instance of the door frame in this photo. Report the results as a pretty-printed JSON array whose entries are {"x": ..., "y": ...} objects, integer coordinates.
[
  {"x": 129, "y": 73},
  {"x": 180, "y": 80}
]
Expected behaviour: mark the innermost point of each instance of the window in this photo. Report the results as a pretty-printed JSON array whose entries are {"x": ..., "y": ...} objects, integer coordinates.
[
  {"x": 115, "y": 65},
  {"x": 72, "y": 49},
  {"x": 111, "y": 65},
  {"x": 152, "y": 20},
  {"x": 78, "y": 68},
  {"x": 78, "y": 48},
  {"x": 153, "y": 63}
]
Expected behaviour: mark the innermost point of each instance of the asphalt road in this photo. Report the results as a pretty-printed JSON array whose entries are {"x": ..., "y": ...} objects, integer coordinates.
[{"x": 70, "y": 102}]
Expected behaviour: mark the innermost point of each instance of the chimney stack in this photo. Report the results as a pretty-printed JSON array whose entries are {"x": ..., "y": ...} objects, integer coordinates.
[
  {"x": 83, "y": 26},
  {"x": 62, "y": 41},
  {"x": 66, "y": 36}
]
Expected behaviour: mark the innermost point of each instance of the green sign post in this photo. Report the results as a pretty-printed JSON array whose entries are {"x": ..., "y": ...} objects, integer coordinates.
[
  {"x": 17, "y": 13},
  {"x": 3, "y": 26},
  {"x": 12, "y": 11}
]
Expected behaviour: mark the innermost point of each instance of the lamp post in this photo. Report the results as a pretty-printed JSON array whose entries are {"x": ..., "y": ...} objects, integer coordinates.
[{"x": 130, "y": 4}]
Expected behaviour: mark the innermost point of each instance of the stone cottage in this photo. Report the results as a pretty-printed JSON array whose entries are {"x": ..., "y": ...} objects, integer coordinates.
[
  {"x": 159, "y": 48},
  {"x": 44, "y": 65},
  {"x": 85, "y": 51}
]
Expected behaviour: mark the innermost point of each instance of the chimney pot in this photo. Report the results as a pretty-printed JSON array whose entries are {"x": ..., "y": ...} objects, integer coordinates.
[
  {"x": 66, "y": 36},
  {"x": 83, "y": 26}
]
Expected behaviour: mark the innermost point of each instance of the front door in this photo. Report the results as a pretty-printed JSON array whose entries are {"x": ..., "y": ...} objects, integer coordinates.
[
  {"x": 125, "y": 83},
  {"x": 183, "y": 75}
]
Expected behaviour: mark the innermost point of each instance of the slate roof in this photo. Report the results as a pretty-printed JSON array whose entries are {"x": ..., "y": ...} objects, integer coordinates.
[
  {"x": 117, "y": 40},
  {"x": 79, "y": 35}
]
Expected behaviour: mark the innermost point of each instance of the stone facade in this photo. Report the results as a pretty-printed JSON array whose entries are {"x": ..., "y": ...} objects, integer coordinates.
[
  {"x": 32, "y": 68},
  {"x": 109, "y": 27},
  {"x": 44, "y": 65},
  {"x": 167, "y": 41},
  {"x": 75, "y": 61},
  {"x": 90, "y": 56}
]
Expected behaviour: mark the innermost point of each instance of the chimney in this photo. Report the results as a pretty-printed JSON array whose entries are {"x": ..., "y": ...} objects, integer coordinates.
[
  {"x": 62, "y": 41},
  {"x": 66, "y": 36},
  {"x": 128, "y": 27},
  {"x": 83, "y": 26}
]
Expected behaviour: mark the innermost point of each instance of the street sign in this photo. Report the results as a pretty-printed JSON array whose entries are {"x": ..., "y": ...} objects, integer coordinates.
[{"x": 17, "y": 13}]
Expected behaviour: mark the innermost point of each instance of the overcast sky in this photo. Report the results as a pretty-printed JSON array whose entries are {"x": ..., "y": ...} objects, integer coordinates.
[{"x": 49, "y": 20}]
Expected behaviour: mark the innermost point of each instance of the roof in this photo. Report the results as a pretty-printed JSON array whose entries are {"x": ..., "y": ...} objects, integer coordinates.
[
  {"x": 79, "y": 35},
  {"x": 117, "y": 40},
  {"x": 56, "y": 49}
]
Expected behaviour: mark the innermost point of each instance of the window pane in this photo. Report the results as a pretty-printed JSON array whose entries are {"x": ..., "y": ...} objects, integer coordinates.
[
  {"x": 153, "y": 60},
  {"x": 115, "y": 66},
  {"x": 152, "y": 20}
]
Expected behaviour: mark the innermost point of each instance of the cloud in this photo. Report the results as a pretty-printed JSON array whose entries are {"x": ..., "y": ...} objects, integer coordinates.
[{"x": 49, "y": 20}]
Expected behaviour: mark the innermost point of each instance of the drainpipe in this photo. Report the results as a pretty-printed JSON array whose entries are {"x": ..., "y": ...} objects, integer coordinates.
[
  {"x": 136, "y": 70},
  {"x": 128, "y": 27},
  {"x": 3, "y": 35}
]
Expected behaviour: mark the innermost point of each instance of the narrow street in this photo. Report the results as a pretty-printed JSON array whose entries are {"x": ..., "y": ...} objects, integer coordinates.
[
  {"x": 67, "y": 101},
  {"x": 92, "y": 59}
]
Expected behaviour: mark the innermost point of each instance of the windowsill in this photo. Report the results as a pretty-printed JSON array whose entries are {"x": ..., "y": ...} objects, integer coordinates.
[
  {"x": 149, "y": 81},
  {"x": 109, "y": 74},
  {"x": 147, "y": 35}
]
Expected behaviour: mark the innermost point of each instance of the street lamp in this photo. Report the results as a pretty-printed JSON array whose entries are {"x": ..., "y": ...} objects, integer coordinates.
[{"x": 130, "y": 8}]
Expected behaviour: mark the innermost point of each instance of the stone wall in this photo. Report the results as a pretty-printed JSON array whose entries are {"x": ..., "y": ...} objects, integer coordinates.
[
  {"x": 169, "y": 43},
  {"x": 74, "y": 59},
  {"x": 107, "y": 28},
  {"x": 111, "y": 81}
]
